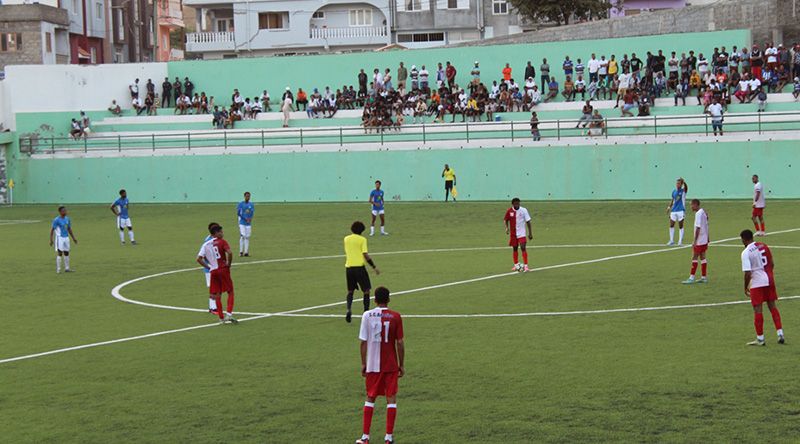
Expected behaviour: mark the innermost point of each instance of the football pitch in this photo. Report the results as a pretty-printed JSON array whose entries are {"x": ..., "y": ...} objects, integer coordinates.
[{"x": 601, "y": 342}]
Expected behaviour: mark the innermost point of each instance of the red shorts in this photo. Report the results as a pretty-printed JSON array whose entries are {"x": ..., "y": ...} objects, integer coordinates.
[
  {"x": 517, "y": 241},
  {"x": 758, "y": 212},
  {"x": 382, "y": 384},
  {"x": 763, "y": 294},
  {"x": 700, "y": 249},
  {"x": 221, "y": 281}
]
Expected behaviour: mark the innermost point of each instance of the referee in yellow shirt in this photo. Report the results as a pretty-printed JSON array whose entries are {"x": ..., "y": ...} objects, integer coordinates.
[
  {"x": 449, "y": 182},
  {"x": 355, "y": 249}
]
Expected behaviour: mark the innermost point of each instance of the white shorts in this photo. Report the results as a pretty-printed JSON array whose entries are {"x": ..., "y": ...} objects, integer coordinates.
[
  {"x": 124, "y": 222},
  {"x": 62, "y": 244},
  {"x": 677, "y": 216},
  {"x": 244, "y": 230},
  {"x": 377, "y": 212},
  {"x": 208, "y": 278}
]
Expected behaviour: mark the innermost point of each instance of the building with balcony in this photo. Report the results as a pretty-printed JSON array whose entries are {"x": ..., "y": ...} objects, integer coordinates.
[
  {"x": 169, "y": 19},
  {"x": 33, "y": 34},
  {"x": 87, "y": 30},
  {"x": 133, "y": 31},
  {"x": 235, "y": 28}
]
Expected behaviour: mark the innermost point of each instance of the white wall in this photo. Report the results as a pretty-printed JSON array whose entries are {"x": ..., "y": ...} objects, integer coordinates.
[
  {"x": 43, "y": 88},
  {"x": 4, "y": 105}
]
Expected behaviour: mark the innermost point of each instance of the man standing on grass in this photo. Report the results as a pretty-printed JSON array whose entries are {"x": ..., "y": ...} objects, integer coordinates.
[
  {"x": 216, "y": 254},
  {"x": 382, "y": 357},
  {"x": 449, "y": 182},
  {"x": 245, "y": 212},
  {"x": 376, "y": 199},
  {"x": 700, "y": 244},
  {"x": 759, "y": 203},
  {"x": 212, "y": 303},
  {"x": 759, "y": 285},
  {"x": 60, "y": 232},
  {"x": 120, "y": 209},
  {"x": 516, "y": 220},
  {"x": 357, "y": 256}
]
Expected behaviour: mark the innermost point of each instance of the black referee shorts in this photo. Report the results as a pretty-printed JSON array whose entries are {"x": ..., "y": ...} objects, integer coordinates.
[
  {"x": 448, "y": 184},
  {"x": 357, "y": 277}
]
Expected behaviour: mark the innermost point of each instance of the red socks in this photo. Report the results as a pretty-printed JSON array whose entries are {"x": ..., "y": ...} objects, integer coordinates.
[
  {"x": 369, "y": 408},
  {"x": 759, "y": 323},
  {"x": 525, "y": 257},
  {"x": 391, "y": 414},
  {"x": 763, "y": 227},
  {"x": 703, "y": 267},
  {"x": 218, "y": 300},
  {"x": 694, "y": 268},
  {"x": 776, "y": 318},
  {"x": 516, "y": 257},
  {"x": 230, "y": 301}
]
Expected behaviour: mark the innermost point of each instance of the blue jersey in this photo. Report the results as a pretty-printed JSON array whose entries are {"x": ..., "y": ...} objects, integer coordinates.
[
  {"x": 122, "y": 204},
  {"x": 376, "y": 196},
  {"x": 245, "y": 211},
  {"x": 678, "y": 200},
  {"x": 62, "y": 226},
  {"x": 208, "y": 238}
]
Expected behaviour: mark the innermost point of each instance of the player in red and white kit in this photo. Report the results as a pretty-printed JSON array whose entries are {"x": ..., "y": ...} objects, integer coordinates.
[
  {"x": 759, "y": 203},
  {"x": 516, "y": 219},
  {"x": 759, "y": 285},
  {"x": 216, "y": 255},
  {"x": 382, "y": 356},
  {"x": 700, "y": 244}
]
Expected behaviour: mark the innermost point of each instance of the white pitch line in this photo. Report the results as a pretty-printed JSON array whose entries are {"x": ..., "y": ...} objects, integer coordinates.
[
  {"x": 17, "y": 221},
  {"x": 297, "y": 312}
]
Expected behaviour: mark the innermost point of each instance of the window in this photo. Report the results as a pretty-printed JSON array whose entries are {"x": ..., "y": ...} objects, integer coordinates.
[
  {"x": 452, "y": 4},
  {"x": 318, "y": 15},
  {"x": 271, "y": 20},
  {"x": 421, "y": 37},
  {"x": 99, "y": 8},
  {"x": 360, "y": 17},
  {"x": 499, "y": 7},
  {"x": 74, "y": 7},
  {"x": 10, "y": 42},
  {"x": 413, "y": 5},
  {"x": 120, "y": 22}
]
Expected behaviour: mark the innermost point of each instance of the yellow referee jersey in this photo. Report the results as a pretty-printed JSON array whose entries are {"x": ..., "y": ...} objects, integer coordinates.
[
  {"x": 354, "y": 248},
  {"x": 450, "y": 174}
]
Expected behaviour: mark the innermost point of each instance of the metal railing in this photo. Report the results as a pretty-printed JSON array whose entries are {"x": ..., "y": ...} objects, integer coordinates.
[{"x": 425, "y": 134}]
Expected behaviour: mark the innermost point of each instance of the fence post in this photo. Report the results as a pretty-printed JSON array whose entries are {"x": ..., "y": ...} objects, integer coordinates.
[
  {"x": 381, "y": 137},
  {"x": 467, "y": 125},
  {"x": 759, "y": 123},
  {"x": 225, "y": 139},
  {"x": 119, "y": 143},
  {"x": 85, "y": 144},
  {"x": 189, "y": 141},
  {"x": 262, "y": 139},
  {"x": 512, "y": 130},
  {"x": 301, "y": 137},
  {"x": 423, "y": 134},
  {"x": 706, "y": 124},
  {"x": 655, "y": 126},
  {"x": 53, "y": 144},
  {"x": 605, "y": 127},
  {"x": 153, "y": 139},
  {"x": 341, "y": 138}
]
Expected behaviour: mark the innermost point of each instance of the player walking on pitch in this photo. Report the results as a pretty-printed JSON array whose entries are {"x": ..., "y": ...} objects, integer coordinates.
[
  {"x": 759, "y": 285},
  {"x": 216, "y": 254},
  {"x": 376, "y": 199},
  {"x": 120, "y": 209},
  {"x": 516, "y": 220},
  {"x": 677, "y": 210},
  {"x": 245, "y": 212},
  {"x": 382, "y": 357},
  {"x": 60, "y": 232},
  {"x": 700, "y": 244},
  {"x": 759, "y": 203},
  {"x": 212, "y": 303},
  {"x": 355, "y": 249}
]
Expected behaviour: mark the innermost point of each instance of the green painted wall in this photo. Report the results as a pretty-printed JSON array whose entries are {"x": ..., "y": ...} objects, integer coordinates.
[
  {"x": 714, "y": 170},
  {"x": 253, "y": 75}
]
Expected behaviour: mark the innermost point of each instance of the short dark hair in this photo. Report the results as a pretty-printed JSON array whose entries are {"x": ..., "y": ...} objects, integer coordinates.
[
  {"x": 755, "y": 175},
  {"x": 122, "y": 191},
  {"x": 696, "y": 201},
  {"x": 746, "y": 235},
  {"x": 246, "y": 192},
  {"x": 62, "y": 207},
  {"x": 212, "y": 225},
  {"x": 378, "y": 182},
  {"x": 381, "y": 295},
  {"x": 215, "y": 229},
  {"x": 515, "y": 200},
  {"x": 357, "y": 227}
]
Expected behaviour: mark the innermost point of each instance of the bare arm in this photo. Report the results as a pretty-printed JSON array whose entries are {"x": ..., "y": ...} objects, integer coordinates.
[
  {"x": 371, "y": 264},
  {"x": 755, "y": 199},
  {"x": 506, "y": 224},
  {"x": 229, "y": 257},
  {"x": 363, "y": 358},
  {"x": 747, "y": 276},
  {"x": 114, "y": 209},
  {"x": 696, "y": 235},
  {"x": 69, "y": 230},
  {"x": 401, "y": 356},
  {"x": 52, "y": 231},
  {"x": 201, "y": 260},
  {"x": 530, "y": 230}
]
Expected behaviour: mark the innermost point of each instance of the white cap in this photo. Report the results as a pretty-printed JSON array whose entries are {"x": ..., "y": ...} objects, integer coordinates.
[
  {"x": 287, "y": 88},
  {"x": 476, "y": 62}
]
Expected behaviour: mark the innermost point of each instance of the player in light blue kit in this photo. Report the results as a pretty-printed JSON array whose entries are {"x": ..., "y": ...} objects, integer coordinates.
[
  {"x": 60, "y": 232},
  {"x": 245, "y": 212},
  {"x": 677, "y": 210},
  {"x": 212, "y": 303},
  {"x": 120, "y": 209},
  {"x": 376, "y": 199}
]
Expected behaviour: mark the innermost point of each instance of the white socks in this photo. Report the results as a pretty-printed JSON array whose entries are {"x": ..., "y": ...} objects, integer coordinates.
[
  {"x": 680, "y": 237},
  {"x": 382, "y": 230},
  {"x": 241, "y": 244},
  {"x": 672, "y": 234},
  {"x": 247, "y": 245},
  {"x": 122, "y": 236},
  {"x": 760, "y": 337},
  {"x": 371, "y": 230},
  {"x": 66, "y": 262},
  {"x": 212, "y": 304},
  {"x": 780, "y": 332},
  {"x": 58, "y": 264},
  {"x": 130, "y": 235}
]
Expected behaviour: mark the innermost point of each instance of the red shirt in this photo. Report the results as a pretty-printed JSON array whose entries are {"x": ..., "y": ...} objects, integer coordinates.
[
  {"x": 766, "y": 260},
  {"x": 221, "y": 246},
  {"x": 381, "y": 328}
]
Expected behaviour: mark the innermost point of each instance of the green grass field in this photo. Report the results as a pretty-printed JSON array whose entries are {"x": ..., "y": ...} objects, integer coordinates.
[{"x": 674, "y": 375}]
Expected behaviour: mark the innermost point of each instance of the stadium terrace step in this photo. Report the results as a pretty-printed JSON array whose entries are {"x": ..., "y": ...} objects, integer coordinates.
[{"x": 205, "y": 118}]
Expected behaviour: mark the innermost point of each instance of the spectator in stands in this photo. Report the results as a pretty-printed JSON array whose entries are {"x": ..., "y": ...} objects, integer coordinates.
[
  {"x": 85, "y": 124},
  {"x": 580, "y": 88},
  {"x": 586, "y": 115},
  {"x": 287, "y": 94},
  {"x": 177, "y": 90},
  {"x": 180, "y": 105},
  {"x": 286, "y": 109},
  {"x": 402, "y": 76},
  {"x": 204, "y": 105},
  {"x": 782, "y": 78},
  {"x": 695, "y": 82},
  {"x": 552, "y": 90},
  {"x": 567, "y": 66},
  {"x": 569, "y": 89},
  {"x": 450, "y": 73},
  {"x": 134, "y": 89},
  {"x": 592, "y": 89},
  {"x": 423, "y": 79},
  {"x": 115, "y": 108},
  {"x": 476, "y": 75},
  {"x": 602, "y": 73},
  {"x": 362, "y": 82},
  {"x": 265, "y": 101},
  {"x": 188, "y": 86},
  {"x": 302, "y": 99},
  {"x": 507, "y": 73},
  {"x": 756, "y": 62},
  {"x": 387, "y": 79},
  {"x": 628, "y": 103},
  {"x": 743, "y": 89},
  {"x": 530, "y": 72},
  {"x": 151, "y": 87},
  {"x": 217, "y": 121},
  {"x": 166, "y": 93},
  {"x": 75, "y": 130},
  {"x": 138, "y": 105},
  {"x": 755, "y": 85},
  {"x": 796, "y": 62},
  {"x": 544, "y": 72},
  {"x": 682, "y": 90},
  {"x": 645, "y": 102},
  {"x": 535, "y": 127},
  {"x": 796, "y": 90},
  {"x": 762, "y": 100},
  {"x": 150, "y": 105},
  {"x": 597, "y": 126},
  {"x": 716, "y": 112},
  {"x": 579, "y": 68}
]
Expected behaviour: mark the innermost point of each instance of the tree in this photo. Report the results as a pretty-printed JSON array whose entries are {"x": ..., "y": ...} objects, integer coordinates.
[{"x": 562, "y": 12}]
